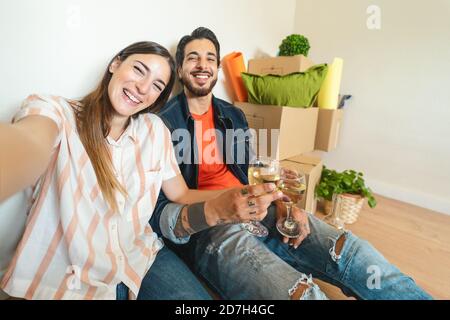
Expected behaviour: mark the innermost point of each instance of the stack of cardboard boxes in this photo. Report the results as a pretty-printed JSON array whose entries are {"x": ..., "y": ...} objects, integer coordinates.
[{"x": 300, "y": 130}]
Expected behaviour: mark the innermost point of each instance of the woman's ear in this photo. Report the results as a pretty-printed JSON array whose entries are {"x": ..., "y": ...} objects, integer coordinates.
[{"x": 114, "y": 65}]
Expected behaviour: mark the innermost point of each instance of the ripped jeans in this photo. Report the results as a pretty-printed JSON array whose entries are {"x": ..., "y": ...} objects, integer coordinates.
[{"x": 241, "y": 266}]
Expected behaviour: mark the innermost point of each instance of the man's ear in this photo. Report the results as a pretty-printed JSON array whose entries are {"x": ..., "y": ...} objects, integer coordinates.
[
  {"x": 179, "y": 72},
  {"x": 114, "y": 65}
]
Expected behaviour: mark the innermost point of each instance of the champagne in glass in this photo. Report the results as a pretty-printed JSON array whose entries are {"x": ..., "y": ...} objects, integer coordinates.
[
  {"x": 293, "y": 191},
  {"x": 259, "y": 175},
  {"x": 262, "y": 170}
]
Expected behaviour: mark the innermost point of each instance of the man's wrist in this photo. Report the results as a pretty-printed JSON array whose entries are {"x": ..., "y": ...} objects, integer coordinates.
[
  {"x": 192, "y": 219},
  {"x": 211, "y": 216}
]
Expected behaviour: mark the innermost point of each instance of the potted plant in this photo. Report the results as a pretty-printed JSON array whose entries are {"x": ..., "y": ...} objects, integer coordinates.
[
  {"x": 350, "y": 186},
  {"x": 293, "y": 45}
]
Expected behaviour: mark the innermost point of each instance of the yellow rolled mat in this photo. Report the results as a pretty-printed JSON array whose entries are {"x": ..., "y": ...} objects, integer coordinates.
[
  {"x": 329, "y": 91},
  {"x": 233, "y": 65}
]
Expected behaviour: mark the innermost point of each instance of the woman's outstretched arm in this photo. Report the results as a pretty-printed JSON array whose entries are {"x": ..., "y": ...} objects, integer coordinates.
[{"x": 25, "y": 151}]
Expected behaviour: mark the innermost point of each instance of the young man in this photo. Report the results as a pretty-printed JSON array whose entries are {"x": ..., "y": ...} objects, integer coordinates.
[{"x": 235, "y": 263}]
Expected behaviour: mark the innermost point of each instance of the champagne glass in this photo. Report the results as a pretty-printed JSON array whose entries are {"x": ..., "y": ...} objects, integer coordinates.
[
  {"x": 293, "y": 189},
  {"x": 334, "y": 217},
  {"x": 262, "y": 170}
]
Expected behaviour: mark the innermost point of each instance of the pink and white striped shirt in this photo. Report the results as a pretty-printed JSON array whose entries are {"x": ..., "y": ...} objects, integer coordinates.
[{"x": 74, "y": 246}]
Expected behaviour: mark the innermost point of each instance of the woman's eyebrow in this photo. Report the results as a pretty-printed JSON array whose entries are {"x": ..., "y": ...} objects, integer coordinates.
[
  {"x": 144, "y": 65},
  {"x": 148, "y": 69}
]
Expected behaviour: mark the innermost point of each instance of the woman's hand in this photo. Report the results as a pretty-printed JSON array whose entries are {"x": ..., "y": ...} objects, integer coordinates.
[{"x": 25, "y": 148}]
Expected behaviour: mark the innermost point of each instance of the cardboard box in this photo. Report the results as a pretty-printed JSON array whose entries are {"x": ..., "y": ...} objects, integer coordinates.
[
  {"x": 296, "y": 128},
  {"x": 279, "y": 65},
  {"x": 311, "y": 166},
  {"x": 328, "y": 127}
]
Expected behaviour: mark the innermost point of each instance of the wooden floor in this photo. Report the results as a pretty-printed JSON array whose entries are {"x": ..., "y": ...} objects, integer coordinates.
[{"x": 414, "y": 239}]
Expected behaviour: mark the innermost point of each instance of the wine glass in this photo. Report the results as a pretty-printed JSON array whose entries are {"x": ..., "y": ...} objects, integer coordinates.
[
  {"x": 334, "y": 217},
  {"x": 293, "y": 190},
  {"x": 261, "y": 170}
]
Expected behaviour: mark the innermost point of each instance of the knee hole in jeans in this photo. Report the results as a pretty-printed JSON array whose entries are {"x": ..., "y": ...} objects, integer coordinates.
[{"x": 338, "y": 245}]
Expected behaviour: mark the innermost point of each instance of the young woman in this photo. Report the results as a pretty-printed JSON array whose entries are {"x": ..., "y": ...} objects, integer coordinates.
[{"x": 96, "y": 166}]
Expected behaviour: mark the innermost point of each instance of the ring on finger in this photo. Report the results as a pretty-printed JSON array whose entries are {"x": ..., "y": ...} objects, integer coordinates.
[
  {"x": 251, "y": 203},
  {"x": 244, "y": 191}
]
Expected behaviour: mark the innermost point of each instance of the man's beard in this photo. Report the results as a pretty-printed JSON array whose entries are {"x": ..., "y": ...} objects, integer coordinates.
[{"x": 198, "y": 92}]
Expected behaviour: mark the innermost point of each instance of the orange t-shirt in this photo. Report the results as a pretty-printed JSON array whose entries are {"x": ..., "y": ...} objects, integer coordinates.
[{"x": 213, "y": 174}]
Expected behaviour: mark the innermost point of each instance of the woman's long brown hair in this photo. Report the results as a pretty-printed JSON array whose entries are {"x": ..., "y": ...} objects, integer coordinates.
[{"x": 93, "y": 119}]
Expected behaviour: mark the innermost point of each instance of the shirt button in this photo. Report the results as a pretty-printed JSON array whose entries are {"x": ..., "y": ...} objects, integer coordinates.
[
  {"x": 113, "y": 227},
  {"x": 121, "y": 258}
]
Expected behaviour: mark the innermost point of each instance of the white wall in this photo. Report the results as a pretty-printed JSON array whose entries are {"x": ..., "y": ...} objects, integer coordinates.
[
  {"x": 397, "y": 127},
  {"x": 62, "y": 47},
  {"x": 47, "y": 47}
]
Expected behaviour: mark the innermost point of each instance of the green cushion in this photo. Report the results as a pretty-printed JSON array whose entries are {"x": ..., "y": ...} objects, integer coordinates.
[{"x": 298, "y": 89}]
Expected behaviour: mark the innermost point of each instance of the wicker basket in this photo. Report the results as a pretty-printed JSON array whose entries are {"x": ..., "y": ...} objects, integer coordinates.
[{"x": 350, "y": 207}]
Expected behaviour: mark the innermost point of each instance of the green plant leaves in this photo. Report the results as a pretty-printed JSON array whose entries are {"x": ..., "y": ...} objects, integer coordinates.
[
  {"x": 372, "y": 201},
  {"x": 293, "y": 45},
  {"x": 348, "y": 181}
]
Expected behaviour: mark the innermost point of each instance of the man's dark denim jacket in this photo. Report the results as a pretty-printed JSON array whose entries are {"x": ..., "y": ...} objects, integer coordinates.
[{"x": 227, "y": 118}]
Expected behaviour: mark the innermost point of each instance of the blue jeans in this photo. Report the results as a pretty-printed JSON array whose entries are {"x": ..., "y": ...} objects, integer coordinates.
[
  {"x": 169, "y": 278},
  {"x": 241, "y": 266}
]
